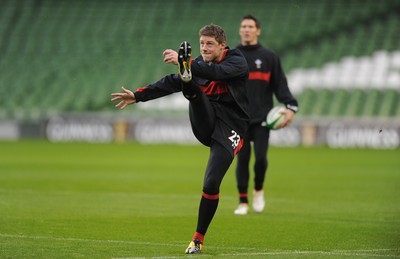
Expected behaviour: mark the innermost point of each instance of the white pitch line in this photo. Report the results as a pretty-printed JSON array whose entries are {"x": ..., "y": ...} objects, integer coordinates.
[
  {"x": 87, "y": 240},
  {"x": 361, "y": 252},
  {"x": 289, "y": 253},
  {"x": 141, "y": 195},
  {"x": 294, "y": 252}
]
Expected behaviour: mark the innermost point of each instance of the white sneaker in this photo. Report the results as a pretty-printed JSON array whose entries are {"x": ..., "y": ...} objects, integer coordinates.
[
  {"x": 258, "y": 201},
  {"x": 242, "y": 209}
]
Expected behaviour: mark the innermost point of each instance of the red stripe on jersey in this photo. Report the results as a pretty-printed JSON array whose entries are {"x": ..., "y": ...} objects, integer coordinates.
[
  {"x": 215, "y": 87},
  {"x": 260, "y": 76},
  {"x": 141, "y": 89},
  {"x": 239, "y": 147},
  {"x": 210, "y": 196}
]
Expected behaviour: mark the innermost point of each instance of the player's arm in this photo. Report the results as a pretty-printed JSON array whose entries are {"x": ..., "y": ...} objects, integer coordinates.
[
  {"x": 291, "y": 106},
  {"x": 282, "y": 92},
  {"x": 280, "y": 86},
  {"x": 165, "y": 86},
  {"x": 232, "y": 65}
]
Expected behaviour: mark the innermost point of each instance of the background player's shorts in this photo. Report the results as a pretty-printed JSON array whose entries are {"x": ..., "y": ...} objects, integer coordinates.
[{"x": 227, "y": 137}]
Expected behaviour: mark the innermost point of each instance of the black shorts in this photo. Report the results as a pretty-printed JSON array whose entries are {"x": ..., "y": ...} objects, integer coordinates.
[{"x": 227, "y": 137}]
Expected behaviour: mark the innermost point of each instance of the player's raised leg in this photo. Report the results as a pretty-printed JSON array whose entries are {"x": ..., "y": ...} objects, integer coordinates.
[{"x": 201, "y": 113}]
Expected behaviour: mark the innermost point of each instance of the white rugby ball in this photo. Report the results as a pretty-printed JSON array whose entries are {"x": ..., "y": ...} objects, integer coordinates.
[{"x": 275, "y": 117}]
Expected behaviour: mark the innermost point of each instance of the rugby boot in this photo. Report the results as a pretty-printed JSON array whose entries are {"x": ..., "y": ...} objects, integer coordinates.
[
  {"x": 258, "y": 201},
  {"x": 194, "y": 247},
  {"x": 184, "y": 63}
]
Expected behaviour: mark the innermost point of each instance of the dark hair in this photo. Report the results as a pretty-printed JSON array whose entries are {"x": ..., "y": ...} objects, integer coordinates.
[
  {"x": 251, "y": 17},
  {"x": 213, "y": 30}
]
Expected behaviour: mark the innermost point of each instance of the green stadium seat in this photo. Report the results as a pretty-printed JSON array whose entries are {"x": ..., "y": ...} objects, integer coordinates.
[
  {"x": 322, "y": 106},
  {"x": 88, "y": 49},
  {"x": 372, "y": 101},
  {"x": 339, "y": 102},
  {"x": 356, "y": 103},
  {"x": 307, "y": 101},
  {"x": 389, "y": 103}
]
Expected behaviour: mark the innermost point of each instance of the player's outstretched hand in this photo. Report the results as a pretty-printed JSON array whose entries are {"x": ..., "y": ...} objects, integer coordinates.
[
  {"x": 170, "y": 56},
  {"x": 126, "y": 98}
]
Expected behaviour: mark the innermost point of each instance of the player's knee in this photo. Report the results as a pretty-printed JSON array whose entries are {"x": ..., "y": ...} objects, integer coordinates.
[
  {"x": 211, "y": 191},
  {"x": 211, "y": 186},
  {"x": 261, "y": 162}
]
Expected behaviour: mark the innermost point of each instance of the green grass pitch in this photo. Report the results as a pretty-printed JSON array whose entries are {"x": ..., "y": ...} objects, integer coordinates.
[{"x": 77, "y": 200}]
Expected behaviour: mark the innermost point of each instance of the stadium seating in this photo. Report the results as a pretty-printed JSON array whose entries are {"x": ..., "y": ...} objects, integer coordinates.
[{"x": 342, "y": 57}]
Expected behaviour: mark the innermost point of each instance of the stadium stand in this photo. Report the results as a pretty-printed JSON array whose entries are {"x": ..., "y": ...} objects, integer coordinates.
[{"x": 342, "y": 57}]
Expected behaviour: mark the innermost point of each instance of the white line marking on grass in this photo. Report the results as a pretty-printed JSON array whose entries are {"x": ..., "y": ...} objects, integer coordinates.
[
  {"x": 87, "y": 240},
  {"x": 141, "y": 195},
  {"x": 351, "y": 253}
]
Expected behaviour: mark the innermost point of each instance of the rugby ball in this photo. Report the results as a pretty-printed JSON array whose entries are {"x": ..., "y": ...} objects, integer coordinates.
[{"x": 275, "y": 117}]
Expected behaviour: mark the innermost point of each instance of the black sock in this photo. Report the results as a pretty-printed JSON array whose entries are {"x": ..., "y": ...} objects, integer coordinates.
[
  {"x": 207, "y": 209},
  {"x": 243, "y": 198}
]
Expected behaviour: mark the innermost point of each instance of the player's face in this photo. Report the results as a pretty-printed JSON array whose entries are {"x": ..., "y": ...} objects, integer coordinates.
[
  {"x": 249, "y": 32},
  {"x": 210, "y": 49}
]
